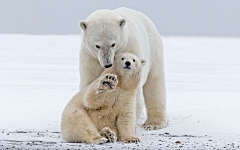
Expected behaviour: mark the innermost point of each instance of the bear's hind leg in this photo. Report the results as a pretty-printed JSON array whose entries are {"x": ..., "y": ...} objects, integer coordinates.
[{"x": 77, "y": 127}]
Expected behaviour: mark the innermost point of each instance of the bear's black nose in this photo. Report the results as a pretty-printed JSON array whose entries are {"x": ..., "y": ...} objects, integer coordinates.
[
  {"x": 127, "y": 63},
  {"x": 108, "y": 66}
]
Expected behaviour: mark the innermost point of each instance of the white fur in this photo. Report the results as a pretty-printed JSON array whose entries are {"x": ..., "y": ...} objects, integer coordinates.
[
  {"x": 105, "y": 109},
  {"x": 137, "y": 35}
]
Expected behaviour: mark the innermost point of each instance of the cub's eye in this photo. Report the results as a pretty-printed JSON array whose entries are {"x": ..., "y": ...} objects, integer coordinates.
[
  {"x": 97, "y": 46},
  {"x": 113, "y": 45},
  {"x": 122, "y": 58},
  {"x": 133, "y": 60}
]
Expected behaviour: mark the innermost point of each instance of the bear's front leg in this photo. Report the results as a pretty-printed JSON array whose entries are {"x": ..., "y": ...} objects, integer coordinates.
[
  {"x": 126, "y": 133},
  {"x": 155, "y": 101},
  {"x": 96, "y": 94},
  {"x": 107, "y": 82},
  {"x": 126, "y": 125}
]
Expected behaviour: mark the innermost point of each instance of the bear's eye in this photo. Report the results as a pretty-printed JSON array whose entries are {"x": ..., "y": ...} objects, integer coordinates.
[
  {"x": 113, "y": 45},
  {"x": 97, "y": 46},
  {"x": 133, "y": 60},
  {"x": 122, "y": 58}
]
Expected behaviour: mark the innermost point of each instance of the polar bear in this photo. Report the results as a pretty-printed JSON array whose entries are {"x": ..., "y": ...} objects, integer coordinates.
[
  {"x": 109, "y": 32},
  {"x": 106, "y": 109}
]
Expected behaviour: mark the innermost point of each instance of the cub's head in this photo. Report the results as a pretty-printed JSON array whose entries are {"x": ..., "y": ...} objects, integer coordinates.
[
  {"x": 103, "y": 35},
  {"x": 128, "y": 64}
]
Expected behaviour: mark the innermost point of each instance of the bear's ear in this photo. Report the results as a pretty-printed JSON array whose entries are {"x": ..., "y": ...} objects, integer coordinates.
[
  {"x": 122, "y": 22},
  {"x": 143, "y": 62},
  {"x": 83, "y": 25}
]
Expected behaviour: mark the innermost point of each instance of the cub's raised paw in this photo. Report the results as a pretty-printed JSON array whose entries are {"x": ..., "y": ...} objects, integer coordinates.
[
  {"x": 153, "y": 125},
  {"x": 109, "y": 134},
  {"x": 99, "y": 140},
  {"x": 131, "y": 139},
  {"x": 107, "y": 82}
]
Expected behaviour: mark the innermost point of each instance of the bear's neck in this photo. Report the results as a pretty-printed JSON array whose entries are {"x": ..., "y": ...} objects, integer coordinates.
[{"x": 125, "y": 82}]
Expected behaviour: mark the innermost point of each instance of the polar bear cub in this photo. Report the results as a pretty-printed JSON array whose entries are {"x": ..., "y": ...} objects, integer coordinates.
[{"x": 106, "y": 109}]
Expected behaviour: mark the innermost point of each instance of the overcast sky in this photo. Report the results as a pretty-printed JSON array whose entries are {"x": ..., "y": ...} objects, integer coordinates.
[{"x": 171, "y": 17}]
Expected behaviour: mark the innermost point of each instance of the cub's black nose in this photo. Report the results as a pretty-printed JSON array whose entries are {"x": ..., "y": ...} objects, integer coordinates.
[
  {"x": 127, "y": 63},
  {"x": 108, "y": 66}
]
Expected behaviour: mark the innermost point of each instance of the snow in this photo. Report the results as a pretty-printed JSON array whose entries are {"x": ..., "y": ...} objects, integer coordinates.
[{"x": 39, "y": 75}]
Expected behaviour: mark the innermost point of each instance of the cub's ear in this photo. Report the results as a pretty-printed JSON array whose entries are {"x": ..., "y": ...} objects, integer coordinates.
[
  {"x": 122, "y": 23},
  {"x": 143, "y": 62},
  {"x": 83, "y": 25}
]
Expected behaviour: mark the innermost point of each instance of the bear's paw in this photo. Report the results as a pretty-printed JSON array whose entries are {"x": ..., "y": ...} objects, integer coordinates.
[
  {"x": 107, "y": 82},
  {"x": 153, "y": 125},
  {"x": 130, "y": 139},
  {"x": 109, "y": 134},
  {"x": 99, "y": 140}
]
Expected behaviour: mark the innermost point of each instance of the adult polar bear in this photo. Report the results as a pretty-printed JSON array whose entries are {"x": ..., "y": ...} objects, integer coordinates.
[{"x": 109, "y": 32}]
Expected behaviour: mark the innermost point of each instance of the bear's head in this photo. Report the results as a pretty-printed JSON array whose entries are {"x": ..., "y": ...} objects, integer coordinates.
[
  {"x": 103, "y": 35},
  {"x": 128, "y": 64}
]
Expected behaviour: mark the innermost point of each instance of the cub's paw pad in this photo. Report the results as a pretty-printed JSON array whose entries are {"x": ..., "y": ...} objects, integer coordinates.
[
  {"x": 150, "y": 125},
  {"x": 109, "y": 80},
  {"x": 109, "y": 134},
  {"x": 131, "y": 139},
  {"x": 99, "y": 140}
]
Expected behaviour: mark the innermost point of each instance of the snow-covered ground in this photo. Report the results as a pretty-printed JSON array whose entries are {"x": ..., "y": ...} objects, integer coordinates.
[{"x": 39, "y": 75}]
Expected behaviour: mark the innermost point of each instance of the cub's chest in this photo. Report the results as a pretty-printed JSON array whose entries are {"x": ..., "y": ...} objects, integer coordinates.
[{"x": 103, "y": 115}]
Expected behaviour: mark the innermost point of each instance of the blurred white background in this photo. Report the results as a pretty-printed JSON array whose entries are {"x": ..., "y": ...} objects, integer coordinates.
[{"x": 171, "y": 17}]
